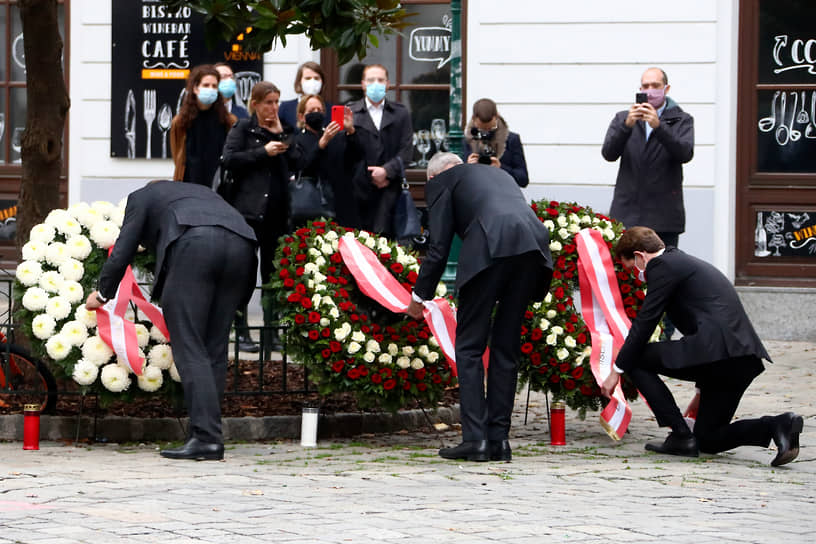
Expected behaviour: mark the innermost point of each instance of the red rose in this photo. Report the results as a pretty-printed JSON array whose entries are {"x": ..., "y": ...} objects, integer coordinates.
[
  {"x": 336, "y": 258},
  {"x": 526, "y": 347},
  {"x": 326, "y": 353},
  {"x": 294, "y": 297},
  {"x": 556, "y": 274},
  {"x": 524, "y": 330},
  {"x": 578, "y": 372},
  {"x": 300, "y": 319},
  {"x": 354, "y": 317},
  {"x": 561, "y": 307},
  {"x": 420, "y": 374},
  {"x": 386, "y": 372},
  {"x": 283, "y": 273},
  {"x": 412, "y": 276},
  {"x": 569, "y": 248},
  {"x": 569, "y": 327},
  {"x": 586, "y": 390},
  {"x": 564, "y": 367},
  {"x": 385, "y": 256},
  {"x": 331, "y": 279},
  {"x": 625, "y": 288},
  {"x": 569, "y": 384},
  {"x": 288, "y": 283},
  {"x": 300, "y": 257},
  {"x": 631, "y": 313},
  {"x": 555, "y": 378},
  {"x": 574, "y": 318},
  {"x": 406, "y": 386},
  {"x": 314, "y": 317},
  {"x": 403, "y": 374},
  {"x": 353, "y": 374},
  {"x": 640, "y": 295},
  {"x": 376, "y": 378},
  {"x": 411, "y": 339},
  {"x": 306, "y": 302},
  {"x": 313, "y": 335},
  {"x": 287, "y": 250},
  {"x": 300, "y": 288},
  {"x": 362, "y": 370},
  {"x": 338, "y": 366},
  {"x": 284, "y": 262},
  {"x": 422, "y": 386},
  {"x": 288, "y": 239},
  {"x": 581, "y": 338},
  {"x": 559, "y": 292},
  {"x": 325, "y": 333},
  {"x": 389, "y": 384},
  {"x": 379, "y": 338},
  {"x": 552, "y": 212},
  {"x": 366, "y": 329},
  {"x": 335, "y": 346},
  {"x": 397, "y": 268},
  {"x": 528, "y": 314},
  {"x": 535, "y": 358}
]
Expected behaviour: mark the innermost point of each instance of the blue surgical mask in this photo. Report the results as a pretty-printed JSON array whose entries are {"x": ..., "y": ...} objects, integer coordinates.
[
  {"x": 207, "y": 95},
  {"x": 375, "y": 91},
  {"x": 226, "y": 87}
]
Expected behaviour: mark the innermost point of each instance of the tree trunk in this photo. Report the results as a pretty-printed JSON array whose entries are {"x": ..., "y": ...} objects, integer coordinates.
[{"x": 47, "y": 105}]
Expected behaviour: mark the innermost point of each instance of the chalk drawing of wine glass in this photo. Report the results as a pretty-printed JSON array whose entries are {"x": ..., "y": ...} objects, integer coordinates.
[
  {"x": 438, "y": 132},
  {"x": 777, "y": 241},
  {"x": 17, "y": 143},
  {"x": 423, "y": 145},
  {"x": 766, "y": 124}
]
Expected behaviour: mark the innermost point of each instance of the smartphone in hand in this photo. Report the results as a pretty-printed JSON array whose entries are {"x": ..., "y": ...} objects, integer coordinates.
[
  {"x": 641, "y": 98},
  {"x": 337, "y": 114}
]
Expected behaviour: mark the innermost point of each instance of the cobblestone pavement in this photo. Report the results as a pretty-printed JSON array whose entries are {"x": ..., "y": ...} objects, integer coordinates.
[{"x": 394, "y": 488}]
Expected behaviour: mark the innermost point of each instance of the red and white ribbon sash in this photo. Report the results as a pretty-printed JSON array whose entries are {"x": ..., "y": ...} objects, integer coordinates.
[
  {"x": 602, "y": 310},
  {"x": 376, "y": 282},
  {"x": 120, "y": 333}
]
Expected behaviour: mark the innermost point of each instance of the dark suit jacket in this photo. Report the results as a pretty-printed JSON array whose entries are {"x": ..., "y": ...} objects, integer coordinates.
[
  {"x": 381, "y": 148},
  {"x": 155, "y": 217},
  {"x": 485, "y": 207},
  {"x": 649, "y": 186},
  {"x": 702, "y": 304}
]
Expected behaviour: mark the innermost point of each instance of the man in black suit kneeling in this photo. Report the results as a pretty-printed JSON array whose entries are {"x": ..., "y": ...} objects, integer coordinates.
[
  {"x": 720, "y": 351},
  {"x": 504, "y": 264}
]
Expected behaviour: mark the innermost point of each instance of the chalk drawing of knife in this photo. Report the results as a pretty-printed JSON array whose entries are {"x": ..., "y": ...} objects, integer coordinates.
[{"x": 130, "y": 124}]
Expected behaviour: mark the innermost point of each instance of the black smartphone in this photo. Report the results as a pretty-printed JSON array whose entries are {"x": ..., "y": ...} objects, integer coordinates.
[{"x": 640, "y": 98}]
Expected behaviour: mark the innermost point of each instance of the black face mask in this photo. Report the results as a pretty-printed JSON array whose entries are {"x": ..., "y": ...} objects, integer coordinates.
[{"x": 314, "y": 120}]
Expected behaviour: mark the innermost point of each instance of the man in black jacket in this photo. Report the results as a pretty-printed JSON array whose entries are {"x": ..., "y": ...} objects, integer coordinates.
[
  {"x": 385, "y": 132},
  {"x": 504, "y": 264},
  {"x": 205, "y": 269},
  {"x": 720, "y": 351},
  {"x": 653, "y": 140}
]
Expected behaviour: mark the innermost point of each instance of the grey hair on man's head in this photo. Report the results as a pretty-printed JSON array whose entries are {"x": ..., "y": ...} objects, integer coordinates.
[{"x": 442, "y": 161}]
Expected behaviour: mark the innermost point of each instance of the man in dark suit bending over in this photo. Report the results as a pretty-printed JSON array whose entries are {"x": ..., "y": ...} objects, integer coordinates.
[
  {"x": 720, "y": 351},
  {"x": 205, "y": 270},
  {"x": 504, "y": 264}
]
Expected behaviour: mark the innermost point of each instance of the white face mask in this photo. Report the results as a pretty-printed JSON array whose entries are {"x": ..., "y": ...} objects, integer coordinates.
[
  {"x": 311, "y": 86},
  {"x": 641, "y": 272}
]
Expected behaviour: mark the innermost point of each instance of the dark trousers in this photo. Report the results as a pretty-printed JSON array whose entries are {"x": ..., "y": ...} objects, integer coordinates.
[
  {"x": 721, "y": 385},
  {"x": 209, "y": 270},
  {"x": 507, "y": 288}
]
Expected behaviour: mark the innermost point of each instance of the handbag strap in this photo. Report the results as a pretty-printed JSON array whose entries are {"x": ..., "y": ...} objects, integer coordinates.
[{"x": 401, "y": 173}]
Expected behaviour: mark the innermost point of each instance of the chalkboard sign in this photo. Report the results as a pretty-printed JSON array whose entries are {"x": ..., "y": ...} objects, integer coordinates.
[
  {"x": 153, "y": 50},
  {"x": 785, "y": 234},
  {"x": 786, "y": 131},
  {"x": 787, "y": 42}
]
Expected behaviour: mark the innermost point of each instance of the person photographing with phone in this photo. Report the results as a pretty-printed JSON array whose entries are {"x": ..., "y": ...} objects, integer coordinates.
[{"x": 491, "y": 142}]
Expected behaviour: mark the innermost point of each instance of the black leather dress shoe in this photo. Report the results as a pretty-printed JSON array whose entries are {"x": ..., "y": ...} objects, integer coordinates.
[
  {"x": 196, "y": 449},
  {"x": 475, "y": 450},
  {"x": 786, "y": 437},
  {"x": 676, "y": 445},
  {"x": 246, "y": 344},
  {"x": 500, "y": 450}
]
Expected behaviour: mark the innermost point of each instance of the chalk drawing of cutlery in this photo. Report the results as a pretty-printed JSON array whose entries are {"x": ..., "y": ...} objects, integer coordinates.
[
  {"x": 809, "y": 130},
  {"x": 794, "y": 134},
  {"x": 803, "y": 116},
  {"x": 130, "y": 124},
  {"x": 149, "y": 110},
  {"x": 180, "y": 100},
  {"x": 766, "y": 124},
  {"x": 782, "y": 132},
  {"x": 164, "y": 121}
]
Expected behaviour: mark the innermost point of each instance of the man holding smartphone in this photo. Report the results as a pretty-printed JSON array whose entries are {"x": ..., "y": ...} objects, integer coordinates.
[{"x": 653, "y": 139}]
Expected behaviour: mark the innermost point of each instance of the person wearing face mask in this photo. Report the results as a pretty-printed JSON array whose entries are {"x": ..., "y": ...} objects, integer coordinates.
[
  {"x": 308, "y": 80},
  {"x": 653, "y": 140},
  {"x": 385, "y": 133},
  {"x": 719, "y": 351},
  {"x": 329, "y": 154},
  {"x": 489, "y": 141},
  {"x": 199, "y": 130},
  {"x": 227, "y": 88}
]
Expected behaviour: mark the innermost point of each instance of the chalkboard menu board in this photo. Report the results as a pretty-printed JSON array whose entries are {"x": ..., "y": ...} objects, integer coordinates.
[
  {"x": 785, "y": 234},
  {"x": 153, "y": 50},
  {"x": 786, "y": 118}
]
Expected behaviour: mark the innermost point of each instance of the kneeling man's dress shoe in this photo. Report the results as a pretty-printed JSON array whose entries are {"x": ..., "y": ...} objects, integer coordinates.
[
  {"x": 786, "y": 437},
  {"x": 500, "y": 450},
  {"x": 196, "y": 449},
  {"x": 474, "y": 450},
  {"x": 676, "y": 445}
]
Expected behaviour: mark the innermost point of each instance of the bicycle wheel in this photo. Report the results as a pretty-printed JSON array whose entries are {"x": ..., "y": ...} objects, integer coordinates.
[{"x": 26, "y": 380}]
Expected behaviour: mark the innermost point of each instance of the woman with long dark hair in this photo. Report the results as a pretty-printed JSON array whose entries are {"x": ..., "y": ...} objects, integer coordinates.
[{"x": 199, "y": 130}]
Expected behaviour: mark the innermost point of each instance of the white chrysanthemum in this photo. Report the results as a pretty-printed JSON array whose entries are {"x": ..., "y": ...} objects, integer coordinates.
[
  {"x": 85, "y": 372},
  {"x": 34, "y": 251},
  {"x": 555, "y": 245},
  {"x": 58, "y": 347},
  {"x": 29, "y": 273},
  {"x": 407, "y": 350},
  {"x": 393, "y": 349},
  {"x": 35, "y": 299},
  {"x": 72, "y": 269},
  {"x": 334, "y": 313},
  {"x": 324, "y": 322},
  {"x": 142, "y": 335},
  {"x": 51, "y": 281},
  {"x": 551, "y": 339},
  {"x": 67, "y": 224},
  {"x": 373, "y": 346},
  {"x": 369, "y": 357},
  {"x": 75, "y": 332},
  {"x": 342, "y": 332},
  {"x": 433, "y": 341},
  {"x": 557, "y": 330},
  {"x": 95, "y": 350},
  {"x": 85, "y": 316},
  {"x": 562, "y": 354},
  {"x": 354, "y": 347},
  {"x": 160, "y": 356},
  {"x": 104, "y": 234},
  {"x": 151, "y": 379},
  {"x": 423, "y": 351},
  {"x": 385, "y": 359},
  {"x": 358, "y": 336},
  {"x": 90, "y": 217},
  {"x": 561, "y": 220},
  {"x": 118, "y": 217},
  {"x": 56, "y": 253},
  {"x": 174, "y": 374},
  {"x": 157, "y": 335},
  {"x": 42, "y": 233},
  {"x": 71, "y": 291},
  {"x": 570, "y": 342},
  {"x": 417, "y": 363},
  {"x": 104, "y": 208},
  {"x": 79, "y": 247},
  {"x": 43, "y": 326},
  {"x": 549, "y": 224},
  {"x": 403, "y": 362},
  {"x": 433, "y": 357},
  {"x": 115, "y": 378},
  {"x": 58, "y": 307}
]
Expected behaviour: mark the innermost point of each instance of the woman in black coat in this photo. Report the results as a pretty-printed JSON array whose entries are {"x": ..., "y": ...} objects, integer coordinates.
[
  {"x": 258, "y": 156},
  {"x": 331, "y": 155}
]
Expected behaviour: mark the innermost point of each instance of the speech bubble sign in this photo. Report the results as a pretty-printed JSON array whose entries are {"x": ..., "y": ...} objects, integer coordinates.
[{"x": 430, "y": 44}]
